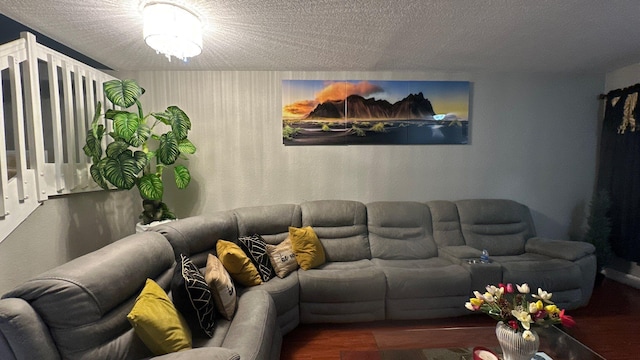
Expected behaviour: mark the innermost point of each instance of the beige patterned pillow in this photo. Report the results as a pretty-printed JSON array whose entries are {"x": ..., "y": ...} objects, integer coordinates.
[
  {"x": 282, "y": 258},
  {"x": 222, "y": 288}
]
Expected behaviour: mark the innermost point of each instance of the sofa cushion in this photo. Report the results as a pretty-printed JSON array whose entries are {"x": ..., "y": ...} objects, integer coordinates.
[
  {"x": 446, "y": 223},
  {"x": 551, "y": 275},
  {"x": 420, "y": 289},
  {"x": 237, "y": 263},
  {"x": 99, "y": 289},
  {"x": 343, "y": 291},
  {"x": 192, "y": 297},
  {"x": 341, "y": 226},
  {"x": 282, "y": 257},
  {"x": 270, "y": 221},
  {"x": 307, "y": 248},
  {"x": 500, "y": 226},
  {"x": 400, "y": 230},
  {"x": 223, "y": 290},
  {"x": 256, "y": 249},
  {"x": 157, "y": 322}
]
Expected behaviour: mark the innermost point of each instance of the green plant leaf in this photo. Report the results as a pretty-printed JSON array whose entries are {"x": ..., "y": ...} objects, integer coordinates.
[
  {"x": 125, "y": 125},
  {"x": 116, "y": 148},
  {"x": 123, "y": 171},
  {"x": 93, "y": 147},
  {"x": 151, "y": 187},
  {"x": 95, "y": 124},
  {"x": 122, "y": 93},
  {"x": 163, "y": 117},
  {"x": 180, "y": 123},
  {"x": 168, "y": 149},
  {"x": 186, "y": 147},
  {"x": 111, "y": 113},
  {"x": 141, "y": 135},
  {"x": 183, "y": 177},
  {"x": 96, "y": 174}
]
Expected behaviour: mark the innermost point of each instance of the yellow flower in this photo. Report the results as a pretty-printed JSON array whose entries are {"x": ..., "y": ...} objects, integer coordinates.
[
  {"x": 534, "y": 307},
  {"x": 528, "y": 335},
  {"x": 476, "y": 301},
  {"x": 552, "y": 309}
]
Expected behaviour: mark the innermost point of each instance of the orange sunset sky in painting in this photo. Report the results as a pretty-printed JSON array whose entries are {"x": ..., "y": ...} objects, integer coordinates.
[{"x": 300, "y": 97}]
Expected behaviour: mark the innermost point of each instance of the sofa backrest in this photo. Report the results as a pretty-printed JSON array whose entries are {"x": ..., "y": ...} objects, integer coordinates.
[
  {"x": 400, "y": 230},
  {"x": 196, "y": 236},
  {"x": 272, "y": 222},
  {"x": 446, "y": 223},
  {"x": 85, "y": 302},
  {"x": 499, "y": 226},
  {"x": 341, "y": 226}
]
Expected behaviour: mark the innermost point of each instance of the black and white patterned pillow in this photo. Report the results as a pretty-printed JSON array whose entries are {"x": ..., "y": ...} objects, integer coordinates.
[
  {"x": 256, "y": 249},
  {"x": 192, "y": 297}
]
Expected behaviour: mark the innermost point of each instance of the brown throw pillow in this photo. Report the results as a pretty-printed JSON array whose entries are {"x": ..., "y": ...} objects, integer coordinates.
[
  {"x": 282, "y": 258},
  {"x": 222, "y": 289}
]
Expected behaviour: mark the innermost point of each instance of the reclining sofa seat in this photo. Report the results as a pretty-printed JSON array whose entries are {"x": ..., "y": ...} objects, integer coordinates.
[
  {"x": 348, "y": 287},
  {"x": 78, "y": 310},
  {"x": 420, "y": 284},
  {"x": 506, "y": 230},
  {"x": 196, "y": 237},
  {"x": 272, "y": 222}
]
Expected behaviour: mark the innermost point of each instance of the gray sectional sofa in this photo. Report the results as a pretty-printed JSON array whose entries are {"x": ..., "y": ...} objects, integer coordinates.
[{"x": 385, "y": 260}]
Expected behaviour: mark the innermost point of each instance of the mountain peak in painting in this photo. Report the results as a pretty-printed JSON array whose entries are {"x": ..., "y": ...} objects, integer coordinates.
[{"x": 414, "y": 106}]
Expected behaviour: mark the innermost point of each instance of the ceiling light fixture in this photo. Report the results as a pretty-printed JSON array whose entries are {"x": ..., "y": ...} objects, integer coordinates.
[{"x": 172, "y": 30}]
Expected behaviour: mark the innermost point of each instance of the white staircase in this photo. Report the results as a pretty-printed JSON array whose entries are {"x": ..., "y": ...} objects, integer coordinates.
[{"x": 48, "y": 102}]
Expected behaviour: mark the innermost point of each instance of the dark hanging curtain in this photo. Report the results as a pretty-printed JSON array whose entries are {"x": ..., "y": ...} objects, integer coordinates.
[{"x": 619, "y": 170}]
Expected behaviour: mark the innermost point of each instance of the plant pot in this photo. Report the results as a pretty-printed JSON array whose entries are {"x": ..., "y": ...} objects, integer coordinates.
[
  {"x": 514, "y": 346},
  {"x": 140, "y": 227}
]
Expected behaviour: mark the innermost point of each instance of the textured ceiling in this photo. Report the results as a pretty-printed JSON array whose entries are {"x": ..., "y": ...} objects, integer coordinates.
[{"x": 368, "y": 35}]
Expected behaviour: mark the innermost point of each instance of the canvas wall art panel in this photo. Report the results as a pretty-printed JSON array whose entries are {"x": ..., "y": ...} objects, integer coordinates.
[{"x": 372, "y": 112}]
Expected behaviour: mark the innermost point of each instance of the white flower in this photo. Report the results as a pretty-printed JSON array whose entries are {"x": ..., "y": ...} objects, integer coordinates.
[
  {"x": 524, "y": 317},
  {"x": 543, "y": 295},
  {"x": 523, "y": 289},
  {"x": 528, "y": 335},
  {"x": 469, "y": 306}
]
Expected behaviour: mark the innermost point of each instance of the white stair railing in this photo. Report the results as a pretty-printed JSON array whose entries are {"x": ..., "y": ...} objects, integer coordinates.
[{"x": 43, "y": 122}]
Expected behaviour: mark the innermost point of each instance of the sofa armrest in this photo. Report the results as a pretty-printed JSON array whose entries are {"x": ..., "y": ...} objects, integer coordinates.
[
  {"x": 205, "y": 353},
  {"x": 24, "y": 334},
  {"x": 560, "y": 249},
  {"x": 456, "y": 254},
  {"x": 254, "y": 332}
]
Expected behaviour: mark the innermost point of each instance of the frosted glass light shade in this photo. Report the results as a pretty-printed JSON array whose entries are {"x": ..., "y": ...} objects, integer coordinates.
[{"x": 172, "y": 30}]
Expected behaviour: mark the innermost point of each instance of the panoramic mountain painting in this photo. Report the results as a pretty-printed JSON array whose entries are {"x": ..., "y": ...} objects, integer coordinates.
[{"x": 352, "y": 112}]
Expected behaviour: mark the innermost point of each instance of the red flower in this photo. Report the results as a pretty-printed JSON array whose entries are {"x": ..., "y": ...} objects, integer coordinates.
[
  {"x": 513, "y": 324},
  {"x": 566, "y": 320}
]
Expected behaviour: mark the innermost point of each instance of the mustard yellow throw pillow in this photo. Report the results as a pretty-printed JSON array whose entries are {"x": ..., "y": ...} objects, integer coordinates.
[
  {"x": 157, "y": 322},
  {"x": 307, "y": 247},
  {"x": 237, "y": 263}
]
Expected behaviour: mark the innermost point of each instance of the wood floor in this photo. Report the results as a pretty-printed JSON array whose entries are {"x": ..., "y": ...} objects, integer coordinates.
[{"x": 608, "y": 325}]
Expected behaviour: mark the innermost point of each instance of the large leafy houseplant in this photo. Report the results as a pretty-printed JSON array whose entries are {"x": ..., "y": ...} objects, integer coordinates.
[{"x": 138, "y": 154}]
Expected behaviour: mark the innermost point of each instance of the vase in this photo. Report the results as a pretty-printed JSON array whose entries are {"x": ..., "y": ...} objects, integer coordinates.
[{"x": 514, "y": 346}]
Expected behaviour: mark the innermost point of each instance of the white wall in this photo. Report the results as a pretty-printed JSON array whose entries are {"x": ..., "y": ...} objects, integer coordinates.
[
  {"x": 533, "y": 139},
  {"x": 64, "y": 228}
]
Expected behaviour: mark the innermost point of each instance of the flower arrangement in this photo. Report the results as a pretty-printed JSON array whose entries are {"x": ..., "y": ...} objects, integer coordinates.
[{"x": 511, "y": 306}]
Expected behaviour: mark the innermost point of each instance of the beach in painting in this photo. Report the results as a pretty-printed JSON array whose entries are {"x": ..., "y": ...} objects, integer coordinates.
[{"x": 374, "y": 112}]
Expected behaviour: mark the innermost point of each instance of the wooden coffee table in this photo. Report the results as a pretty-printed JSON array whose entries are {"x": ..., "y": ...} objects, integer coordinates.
[{"x": 455, "y": 344}]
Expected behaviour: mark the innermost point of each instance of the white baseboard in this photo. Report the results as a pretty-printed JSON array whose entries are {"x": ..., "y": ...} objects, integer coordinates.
[{"x": 621, "y": 277}]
